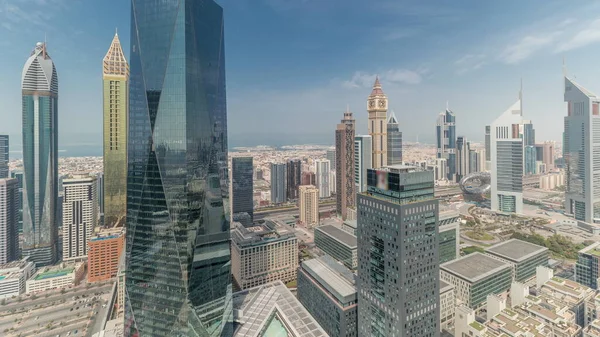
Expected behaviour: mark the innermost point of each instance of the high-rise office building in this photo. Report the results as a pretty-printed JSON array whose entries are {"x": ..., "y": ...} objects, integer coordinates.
[
  {"x": 330, "y": 155},
  {"x": 294, "y": 178},
  {"x": 394, "y": 141},
  {"x": 19, "y": 176},
  {"x": 9, "y": 235},
  {"x": 40, "y": 157},
  {"x": 345, "y": 186},
  {"x": 104, "y": 254},
  {"x": 242, "y": 186},
  {"x": 529, "y": 152},
  {"x": 3, "y": 156},
  {"x": 80, "y": 215},
  {"x": 115, "y": 78},
  {"x": 278, "y": 183},
  {"x": 446, "y": 141},
  {"x": 582, "y": 196},
  {"x": 488, "y": 150},
  {"x": 548, "y": 154},
  {"x": 463, "y": 152},
  {"x": 309, "y": 178},
  {"x": 100, "y": 188},
  {"x": 476, "y": 160},
  {"x": 309, "y": 205},
  {"x": 323, "y": 177},
  {"x": 507, "y": 160},
  {"x": 398, "y": 268},
  {"x": 362, "y": 161},
  {"x": 178, "y": 275},
  {"x": 377, "y": 106}
]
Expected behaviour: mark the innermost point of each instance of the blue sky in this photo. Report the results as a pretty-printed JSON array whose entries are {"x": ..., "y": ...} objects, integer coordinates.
[{"x": 294, "y": 65}]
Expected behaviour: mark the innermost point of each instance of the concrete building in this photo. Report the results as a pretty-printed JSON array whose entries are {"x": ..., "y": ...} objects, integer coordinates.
[
  {"x": 475, "y": 276},
  {"x": 447, "y": 306},
  {"x": 19, "y": 176},
  {"x": 586, "y": 268},
  {"x": 105, "y": 250},
  {"x": 309, "y": 178},
  {"x": 377, "y": 106},
  {"x": 272, "y": 310},
  {"x": 55, "y": 277},
  {"x": 449, "y": 235},
  {"x": 362, "y": 161},
  {"x": 242, "y": 187},
  {"x": 9, "y": 216},
  {"x": 398, "y": 249},
  {"x": 394, "y": 141},
  {"x": 345, "y": 188},
  {"x": 569, "y": 293},
  {"x": 507, "y": 160},
  {"x": 593, "y": 329},
  {"x": 263, "y": 253},
  {"x": 551, "y": 181},
  {"x": 522, "y": 256},
  {"x": 13, "y": 276},
  {"x": 488, "y": 147},
  {"x": 349, "y": 226},
  {"x": 4, "y": 156},
  {"x": 278, "y": 183},
  {"x": 328, "y": 291},
  {"x": 582, "y": 196},
  {"x": 309, "y": 205},
  {"x": 115, "y": 89},
  {"x": 80, "y": 215},
  {"x": 441, "y": 169},
  {"x": 446, "y": 141},
  {"x": 463, "y": 159},
  {"x": 330, "y": 155},
  {"x": 323, "y": 177},
  {"x": 339, "y": 244},
  {"x": 548, "y": 154},
  {"x": 294, "y": 178}
]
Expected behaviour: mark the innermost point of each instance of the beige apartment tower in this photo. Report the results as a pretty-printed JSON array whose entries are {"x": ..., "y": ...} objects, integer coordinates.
[
  {"x": 377, "y": 106},
  {"x": 309, "y": 205},
  {"x": 344, "y": 165},
  {"x": 115, "y": 77}
]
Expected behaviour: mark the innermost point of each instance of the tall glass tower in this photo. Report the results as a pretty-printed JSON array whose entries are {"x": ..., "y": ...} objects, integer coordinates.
[
  {"x": 40, "y": 157},
  {"x": 3, "y": 156},
  {"x": 446, "y": 141},
  {"x": 394, "y": 141},
  {"x": 178, "y": 272}
]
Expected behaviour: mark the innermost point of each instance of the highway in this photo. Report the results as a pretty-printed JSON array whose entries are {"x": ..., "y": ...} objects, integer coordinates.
[{"x": 325, "y": 207}]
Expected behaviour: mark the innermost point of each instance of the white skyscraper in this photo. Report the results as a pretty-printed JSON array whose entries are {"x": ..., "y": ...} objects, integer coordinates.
[
  {"x": 80, "y": 215},
  {"x": 506, "y": 145},
  {"x": 463, "y": 150},
  {"x": 362, "y": 161},
  {"x": 582, "y": 153},
  {"x": 323, "y": 176},
  {"x": 9, "y": 236}
]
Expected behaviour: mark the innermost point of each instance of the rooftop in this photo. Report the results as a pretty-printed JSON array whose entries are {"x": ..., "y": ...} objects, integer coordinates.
[
  {"x": 335, "y": 277},
  {"x": 60, "y": 270},
  {"x": 258, "y": 234},
  {"x": 107, "y": 234},
  {"x": 444, "y": 287},
  {"x": 593, "y": 249},
  {"x": 474, "y": 267},
  {"x": 343, "y": 237},
  {"x": 516, "y": 250}
]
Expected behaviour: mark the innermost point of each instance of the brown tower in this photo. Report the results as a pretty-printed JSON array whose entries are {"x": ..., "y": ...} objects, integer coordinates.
[{"x": 344, "y": 165}]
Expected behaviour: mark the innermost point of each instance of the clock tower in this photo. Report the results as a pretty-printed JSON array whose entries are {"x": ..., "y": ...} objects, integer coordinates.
[{"x": 377, "y": 106}]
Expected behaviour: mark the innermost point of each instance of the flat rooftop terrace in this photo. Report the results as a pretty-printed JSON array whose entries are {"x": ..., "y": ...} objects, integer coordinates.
[
  {"x": 474, "y": 267},
  {"x": 338, "y": 234},
  {"x": 53, "y": 274},
  {"x": 516, "y": 250}
]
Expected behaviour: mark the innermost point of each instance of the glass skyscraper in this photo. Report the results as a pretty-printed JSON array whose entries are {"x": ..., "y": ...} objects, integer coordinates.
[
  {"x": 446, "y": 140},
  {"x": 178, "y": 262},
  {"x": 242, "y": 189},
  {"x": 3, "y": 156},
  {"x": 394, "y": 141},
  {"x": 40, "y": 157}
]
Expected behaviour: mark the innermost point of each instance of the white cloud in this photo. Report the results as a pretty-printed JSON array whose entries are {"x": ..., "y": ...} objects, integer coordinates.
[
  {"x": 584, "y": 37},
  {"x": 362, "y": 79},
  {"x": 469, "y": 62},
  {"x": 526, "y": 47}
]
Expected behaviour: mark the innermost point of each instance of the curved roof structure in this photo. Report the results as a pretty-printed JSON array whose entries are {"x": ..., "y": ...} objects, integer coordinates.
[
  {"x": 484, "y": 179},
  {"x": 39, "y": 73}
]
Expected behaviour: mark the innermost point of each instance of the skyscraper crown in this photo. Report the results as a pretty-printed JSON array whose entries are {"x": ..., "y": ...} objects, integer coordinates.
[
  {"x": 114, "y": 63},
  {"x": 39, "y": 73},
  {"x": 377, "y": 91}
]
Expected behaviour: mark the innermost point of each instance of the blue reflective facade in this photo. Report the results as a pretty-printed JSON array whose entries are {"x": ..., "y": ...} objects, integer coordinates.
[
  {"x": 3, "y": 156},
  {"x": 178, "y": 273}
]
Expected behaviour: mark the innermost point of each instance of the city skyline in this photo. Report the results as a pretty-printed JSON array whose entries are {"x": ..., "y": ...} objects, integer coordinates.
[{"x": 550, "y": 32}]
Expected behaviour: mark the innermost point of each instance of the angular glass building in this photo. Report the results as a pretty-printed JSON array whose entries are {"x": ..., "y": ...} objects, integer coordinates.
[
  {"x": 446, "y": 140},
  {"x": 178, "y": 272},
  {"x": 40, "y": 157},
  {"x": 3, "y": 156},
  {"x": 394, "y": 141},
  {"x": 242, "y": 191}
]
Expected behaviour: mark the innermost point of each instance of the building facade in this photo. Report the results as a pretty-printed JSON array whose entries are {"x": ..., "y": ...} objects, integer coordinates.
[
  {"x": 40, "y": 157},
  {"x": 19, "y": 176},
  {"x": 330, "y": 155},
  {"x": 394, "y": 141},
  {"x": 345, "y": 186},
  {"x": 449, "y": 236},
  {"x": 488, "y": 147},
  {"x": 338, "y": 243},
  {"x": 263, "y": 253},
  {"x": 309, "y": 205},
  {"x": 397, "y": 222},
  {"x": 278, "y": 183},
  {"x": 13, "y": 276},
  {"x": 362, "y": 161},
  {"x": 104, "y": 254},
  {"x": 115, "y": 89},
  {"x": 446, "y": 141},
  {"x": 586, "y": 268},
  {"x": 55, "y": 277},
  {"x": 522, "y": 256},
  {"x": 323, "y": 178},
  {"x": 242, "y": 186},
  {"x": 177, "y": 182},
  {"x": 80, "y": 215},
  {"x": 447, "y": 306},
  {"x": 294, "y": 178},
  {"x": 4, "y": 156},
  {"x": 377, "y": 106},
  {"x": 463, "y": 158},
  {"x": 9, "y": 232},
  {"x": 328, "y": 291}
]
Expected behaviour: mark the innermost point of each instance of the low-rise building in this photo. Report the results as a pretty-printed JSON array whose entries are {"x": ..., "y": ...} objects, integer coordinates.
[
  {"x": 327, "y": 289},
  {"x": 523, "y": 257},
  {"x": 592, "y": 329},
  {"x": 54, "y": 277},
  {"x": 572, "y": 294},
  {"x": 449, "y": 235},
  {"x": 447, "y": 306},
  {"x": 349, "y": 226},
  {"x": 263, "y": 253},
  {"x": 554, "y": 314},
  {"x": 13, "y": 276},
  {"x": 340, "y": 244},
  {"x": 476, "y": 276},
  {"x": 105, "y": 249},
  {"x": 272, "y": 310}
]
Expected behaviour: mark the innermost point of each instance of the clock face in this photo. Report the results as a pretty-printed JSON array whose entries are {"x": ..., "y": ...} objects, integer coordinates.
[
  {"x": 371, "y": 103},
  {"x": 382, "y": 104}
]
